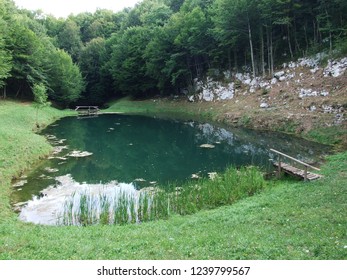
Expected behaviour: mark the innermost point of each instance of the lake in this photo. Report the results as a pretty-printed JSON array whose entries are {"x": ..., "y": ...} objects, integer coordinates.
[{"x": 141, "y": 152}]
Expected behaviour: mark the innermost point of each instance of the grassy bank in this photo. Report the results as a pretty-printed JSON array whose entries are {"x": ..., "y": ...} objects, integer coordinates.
[
  {"x": 232, "y": 114},
  {"x": 287, "y": 220},
  {"x": 20, "y": 147}
]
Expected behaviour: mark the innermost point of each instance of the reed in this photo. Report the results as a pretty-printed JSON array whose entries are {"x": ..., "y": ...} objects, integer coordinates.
[
  {"x": 111, "y": 207},
  {"x": 224, "y": 189},
  {"x": 124, "y": 206}
]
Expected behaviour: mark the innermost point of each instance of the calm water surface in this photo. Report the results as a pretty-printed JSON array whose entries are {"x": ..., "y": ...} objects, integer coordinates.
[{"x": 147, "y": 151}]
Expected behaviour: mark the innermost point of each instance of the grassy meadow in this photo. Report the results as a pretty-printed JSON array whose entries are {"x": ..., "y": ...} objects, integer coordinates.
[{"x": 286, "y": 220}]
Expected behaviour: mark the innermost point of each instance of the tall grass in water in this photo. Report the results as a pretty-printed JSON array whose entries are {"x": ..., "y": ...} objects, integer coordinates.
[
  {"x": 122, "y": 207},
  {"x": 112, "y": 206},
  {"x": 224, "y": 189}
]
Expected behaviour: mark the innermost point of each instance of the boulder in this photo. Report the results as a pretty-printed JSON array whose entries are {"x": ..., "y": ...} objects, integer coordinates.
[{"x": 264, "y": 105}]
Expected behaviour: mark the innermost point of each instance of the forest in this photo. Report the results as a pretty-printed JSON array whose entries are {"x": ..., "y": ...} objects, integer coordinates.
[{"x": 159, "y": 47}]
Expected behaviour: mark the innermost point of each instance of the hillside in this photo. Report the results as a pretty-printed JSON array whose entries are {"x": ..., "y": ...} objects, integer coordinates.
[{"x": 303, "y": 96}]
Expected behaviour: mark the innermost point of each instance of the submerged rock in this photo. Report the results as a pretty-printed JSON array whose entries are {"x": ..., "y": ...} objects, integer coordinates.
[
  {"x": 140, "y": 180},
  {"x": 51, "y": 170},
  {"x": 79, "y": 154},
  {"x": 20, "y": 184},
  {"x": 207, "y": 146},
  {"x": 58, "y": 149}
]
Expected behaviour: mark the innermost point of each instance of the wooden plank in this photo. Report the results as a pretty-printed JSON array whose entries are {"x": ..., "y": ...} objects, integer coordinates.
[{"x": 297, "y": 172}]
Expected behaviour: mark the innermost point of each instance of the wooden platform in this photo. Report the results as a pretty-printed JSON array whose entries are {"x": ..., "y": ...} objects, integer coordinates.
[
  {"x": 297, "y": 172},
  {"x": 292, "y": 170},
  {"x": 87, "y": 110}
]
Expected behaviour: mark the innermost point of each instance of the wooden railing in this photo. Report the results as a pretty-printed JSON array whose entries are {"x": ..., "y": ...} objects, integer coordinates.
[
  {"x": 87, "y": 110},
  {"x": 290, "y": 169}
]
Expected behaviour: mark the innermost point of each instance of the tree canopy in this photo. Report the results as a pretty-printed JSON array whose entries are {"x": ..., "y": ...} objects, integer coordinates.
[{"x": 159, "y": 46}]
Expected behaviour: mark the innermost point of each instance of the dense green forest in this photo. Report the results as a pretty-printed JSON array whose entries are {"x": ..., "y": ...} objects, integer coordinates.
[{"x": 159, "y": 46}]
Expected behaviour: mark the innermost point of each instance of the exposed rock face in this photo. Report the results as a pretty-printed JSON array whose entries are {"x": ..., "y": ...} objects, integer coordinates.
[
  {"x": 309, "y": 93},
  {"x": 335, "y": 68},
  {"x": 211, "y": 90},
  {"x": 299, "y": 90}
]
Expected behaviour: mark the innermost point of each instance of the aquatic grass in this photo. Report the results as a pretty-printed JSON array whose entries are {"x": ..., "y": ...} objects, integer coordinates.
[
  {"x": 124, "y": 206},
  {"x": 224, "y": 189},
  {"x": 110, "y": 206}
]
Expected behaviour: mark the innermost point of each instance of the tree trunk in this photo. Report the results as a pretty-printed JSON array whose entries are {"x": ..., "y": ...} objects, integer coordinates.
[
  {"x": 189, "y": 78},
  {"x": 18, "y": 91},
  {"x": 306, "y": 39},
  {"x": 319, "y": 35},
  {"x": 330, "y": 33},
  {"x": 297, "y": 45},
  {"x": 270, "y": 50},
  {"x": 251, "y": 47},
  {"x": 235, "y": 60},
  {"x": 229, "y": 60},
  {"x": 262, "y": 47},
  {"x": 289, "y": 43},
  {"x": 197, "y": 66},
  {"x": 314, "y": 32},
  {"x": 272, "y": 53},
  {"x": 4, "y": 92}
]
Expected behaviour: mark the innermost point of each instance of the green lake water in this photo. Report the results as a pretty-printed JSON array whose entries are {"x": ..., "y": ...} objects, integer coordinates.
[
  {"x": 146, "y": 151},
  {"x": 125, "y": 153}
]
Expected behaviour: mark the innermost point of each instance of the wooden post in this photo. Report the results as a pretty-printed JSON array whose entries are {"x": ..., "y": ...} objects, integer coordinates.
[
  {"x": 305, "y": 174},
  {"x": 279, "y": 167}
]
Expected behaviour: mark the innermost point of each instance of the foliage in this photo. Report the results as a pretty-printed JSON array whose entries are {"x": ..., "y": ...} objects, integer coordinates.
[
  {"x": 65, "y": 78},
  {"x": 40, "y": 99},
  {"x": 69, "y": 39},
  {"x": 93, "y": 57},
  {"x": 28, "y": 57},
  {"x": 127, "y": 65},
  {"x": 160, "y": 46},
  {"x": 5, "y": 56}
]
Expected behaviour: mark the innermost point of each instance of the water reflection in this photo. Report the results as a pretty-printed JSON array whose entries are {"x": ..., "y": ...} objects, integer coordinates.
[{"x": 48, "y": 209}]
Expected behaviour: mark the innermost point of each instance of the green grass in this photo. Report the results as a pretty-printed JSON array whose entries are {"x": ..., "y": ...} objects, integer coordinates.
[
  {"x": 335, "y": 135},
  {"x": 20, "y": 147},
  {"x": 287, "y": 220}
]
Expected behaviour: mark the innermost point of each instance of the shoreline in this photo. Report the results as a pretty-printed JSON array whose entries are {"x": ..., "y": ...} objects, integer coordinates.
[{"x": 302, "y": 212}]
